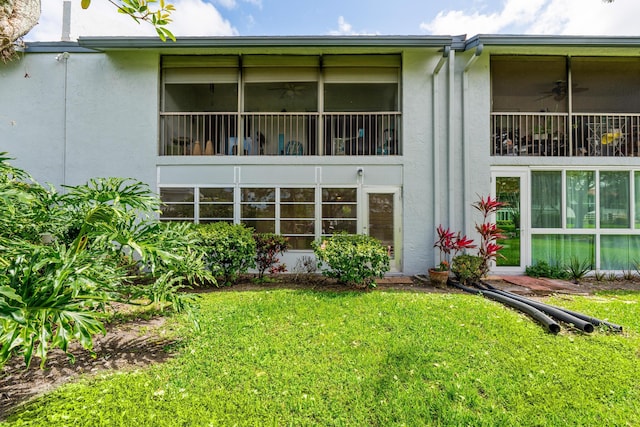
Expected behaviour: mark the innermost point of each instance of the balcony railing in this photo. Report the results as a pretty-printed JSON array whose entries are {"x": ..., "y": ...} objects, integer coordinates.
[
  {"x": 280, "y": 134},
  {"x": 559, "y": 134}
]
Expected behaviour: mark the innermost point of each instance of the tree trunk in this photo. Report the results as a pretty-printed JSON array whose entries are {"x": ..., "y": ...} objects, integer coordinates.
[{"x": 17, "y": 18}]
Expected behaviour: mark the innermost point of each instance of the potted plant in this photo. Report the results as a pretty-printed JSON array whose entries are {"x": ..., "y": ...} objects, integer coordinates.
[{"x": 448, "y": 243}]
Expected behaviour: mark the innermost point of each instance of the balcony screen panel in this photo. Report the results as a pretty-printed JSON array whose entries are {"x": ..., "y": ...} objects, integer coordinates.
[
  {"x": 528, "y": 84},
  {"x": 546, "y": 199},
  {"x": 201, "y": 75},
  {"x": 610, "y": 86},
  {"x": 614, "y": 199},
  {"x": 281, "y": 97},
  {"x": 360, "y": 97},
  {"x": 210, "y": 97}
]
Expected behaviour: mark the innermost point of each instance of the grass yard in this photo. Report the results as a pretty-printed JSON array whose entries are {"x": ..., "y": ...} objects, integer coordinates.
[{"x": 302, "y": 358}]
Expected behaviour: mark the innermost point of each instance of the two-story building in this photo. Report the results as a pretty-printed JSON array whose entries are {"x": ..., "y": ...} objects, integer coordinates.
[{"x": 384, "y": 135}]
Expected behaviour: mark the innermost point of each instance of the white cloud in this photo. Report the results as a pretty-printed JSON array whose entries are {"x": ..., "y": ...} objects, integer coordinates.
[
  {"x": 345, "y": 29},
  {"x": 228, "y": 4},
  {"x": 191, "y": 18},
  {"x": 564, "y": 17}
]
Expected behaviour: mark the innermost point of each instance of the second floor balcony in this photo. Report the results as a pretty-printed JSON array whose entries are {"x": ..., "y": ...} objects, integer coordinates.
[
  {"x": 562, "y": 134},
  {"x": 280, "y": 134}
]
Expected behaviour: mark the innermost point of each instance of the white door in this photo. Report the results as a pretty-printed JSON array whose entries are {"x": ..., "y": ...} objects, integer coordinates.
[
  {"x": 511, "y": 187},
  {"x": 382, "y": 220}
]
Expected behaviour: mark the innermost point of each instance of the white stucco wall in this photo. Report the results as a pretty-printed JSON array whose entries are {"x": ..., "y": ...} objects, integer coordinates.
[
  {"x": 97, "y": 115},
  {"x": 32, "y": 115},
  {"x": 92, "y": 115}
]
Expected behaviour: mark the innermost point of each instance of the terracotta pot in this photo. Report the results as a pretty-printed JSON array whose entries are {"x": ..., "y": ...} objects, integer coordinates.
[{"x": 438, "y": 278}]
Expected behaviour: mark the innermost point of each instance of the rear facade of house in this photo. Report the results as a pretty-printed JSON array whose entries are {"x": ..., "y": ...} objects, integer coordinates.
[{"x": 387, "y": 136}]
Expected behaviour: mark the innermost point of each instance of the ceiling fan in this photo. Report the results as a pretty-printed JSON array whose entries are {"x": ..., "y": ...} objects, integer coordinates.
[
  {"x": 290, "y": 90},
  {"x": 559, "y": 90}
]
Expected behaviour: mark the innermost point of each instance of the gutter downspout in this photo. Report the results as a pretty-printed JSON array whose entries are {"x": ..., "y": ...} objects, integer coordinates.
[
  {"x": 451, "y": 208},
  {"x": 436, "y": 136},
  {"x": 465, "y": 137}
]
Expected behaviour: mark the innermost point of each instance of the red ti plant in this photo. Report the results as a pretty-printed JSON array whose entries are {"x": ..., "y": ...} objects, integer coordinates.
[
  {"x": 489, "y": 232},
  {"x": 449, "y": 243}
]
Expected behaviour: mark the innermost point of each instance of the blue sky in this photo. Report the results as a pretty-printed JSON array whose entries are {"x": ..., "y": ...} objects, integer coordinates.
[{"x": 352, "y": 17}]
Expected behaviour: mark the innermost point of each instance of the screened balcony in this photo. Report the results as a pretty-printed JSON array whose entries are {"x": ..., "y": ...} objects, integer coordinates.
[
  {"x": 280, "y": 134},
  {"x": 561, "y": 134},
  {"x": 560, "y": 106}
]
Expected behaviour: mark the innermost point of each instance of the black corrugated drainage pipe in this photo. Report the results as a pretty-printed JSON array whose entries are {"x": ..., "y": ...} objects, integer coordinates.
[
  {"x": 538, "y": 315},
  {"x": 582, "y": 317},
  {"x": 554, "y": 312}
]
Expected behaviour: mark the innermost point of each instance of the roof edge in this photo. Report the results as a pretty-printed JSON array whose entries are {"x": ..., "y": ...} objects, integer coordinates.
[
  {"x": 550, "y": 40},
  {"x": 117, "y": 43}
]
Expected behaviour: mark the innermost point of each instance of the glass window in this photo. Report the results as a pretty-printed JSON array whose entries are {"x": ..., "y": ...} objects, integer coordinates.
[
  {"x": 580, "y": 205},
  {"x": 637, "y": 198},
  {"x": 216, "y": 204},
  {"x": 559, "y": 249},
  {"x": 614, "y": 199},
  {"x": 546, "y": 200},
  {"x": 339, "y": 210},
  {"x": 258, "y": 209},
  {"x": 297, "y": 216},
  {"x": 619, "y": 252},
  {"x": 178, "y": 204}
]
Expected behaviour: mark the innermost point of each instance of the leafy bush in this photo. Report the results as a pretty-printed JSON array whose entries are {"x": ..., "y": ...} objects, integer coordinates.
[
  {"x": 353, "y": 259},
  {"x": 544, "y": 269},
  {"x": 268, "y": 247},
  {"x": 468, "y": 268},
  {"x": 230, "y": 249},
  {"x": 102, "y": 245}
]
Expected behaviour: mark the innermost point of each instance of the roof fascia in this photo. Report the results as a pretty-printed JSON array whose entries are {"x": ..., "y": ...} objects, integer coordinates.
[
  {"x": 528, "y": 41},
  {"x": 124, "y": 43},
  {"x": 55, "y": 47}
]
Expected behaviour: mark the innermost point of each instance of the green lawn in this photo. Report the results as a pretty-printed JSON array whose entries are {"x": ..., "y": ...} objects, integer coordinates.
[{"x": 303, "y": 358}]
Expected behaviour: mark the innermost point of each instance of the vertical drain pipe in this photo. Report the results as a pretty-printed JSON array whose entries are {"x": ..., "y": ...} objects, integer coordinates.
[
  {"x": 465, "y": 137},
  {"x": 436, "y": 136},
  {"x": 451, "y": 139}
]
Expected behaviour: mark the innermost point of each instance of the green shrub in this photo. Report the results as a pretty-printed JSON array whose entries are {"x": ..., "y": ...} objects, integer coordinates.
[
  {"x": 467, "y": 268},
  {"x": 268, "y": 247},
  {"x": 544, "y": 269},
  {"x": 230, "y": 249},
  {"x": 577, "y": 269},
  {"x": 99, "y": 236},
  {"x": 353, "y": 259}
]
